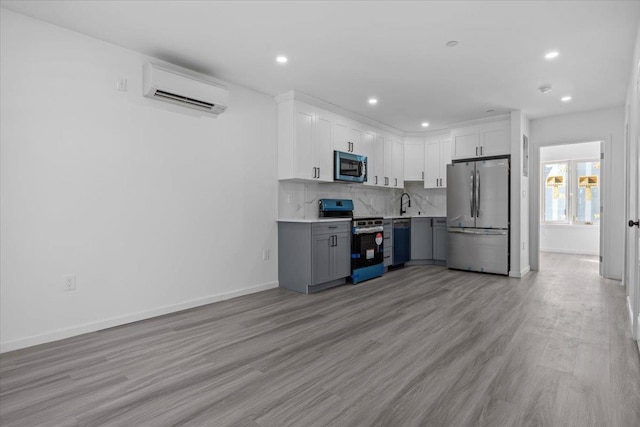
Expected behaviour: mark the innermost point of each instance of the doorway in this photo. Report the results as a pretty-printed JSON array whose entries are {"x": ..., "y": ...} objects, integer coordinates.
[{"x": 570, "y": 199}]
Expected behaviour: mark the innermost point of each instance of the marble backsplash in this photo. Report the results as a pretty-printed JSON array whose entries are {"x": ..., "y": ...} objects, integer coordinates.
[{"x": 299, "y": 200}]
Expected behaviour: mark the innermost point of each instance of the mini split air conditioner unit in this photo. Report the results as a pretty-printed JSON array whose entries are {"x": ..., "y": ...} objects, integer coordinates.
[{"x": 170, "y": 86}]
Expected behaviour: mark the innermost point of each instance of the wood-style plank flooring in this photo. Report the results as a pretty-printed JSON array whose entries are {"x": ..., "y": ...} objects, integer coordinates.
[{"x": 421, "y": 346}]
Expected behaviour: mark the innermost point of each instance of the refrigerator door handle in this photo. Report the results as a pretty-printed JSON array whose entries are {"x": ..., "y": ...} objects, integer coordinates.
[
  {"x": 471, "y": 193},
  {"x": 478, "y": 194},
  {"x": 477, "y": 231}
]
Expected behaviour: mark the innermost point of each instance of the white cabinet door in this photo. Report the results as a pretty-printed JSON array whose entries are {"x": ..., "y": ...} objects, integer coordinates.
[
  {"x": 323, "y": 147},
  {"x": 303, "y": 124},
  {"x": 445, "y": 159},
  {"x": 376, "y": 166},
  {"x": 437, "y": 155},
  {"x": 354, "y": 135},
  {"x": 397, "y": 174},
  {"x": 346, "y": 137},
  {"x": 414, "y": 159},
  {"x": 388, "y": 163},
  {"x": 432, "y": 167},
  {"x": 466, "y": 142},
  {"x": 495, "y": 139},
  {"x": 367, "y": 142},
  {"x": 341, "y": 137},
  {"x": 488, "y": 139}
]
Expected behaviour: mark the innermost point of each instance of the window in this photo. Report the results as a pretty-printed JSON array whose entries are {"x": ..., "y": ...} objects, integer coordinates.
[{"x": 571, "y": 192}]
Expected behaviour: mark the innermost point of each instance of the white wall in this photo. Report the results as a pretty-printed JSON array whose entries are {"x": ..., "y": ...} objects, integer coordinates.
[
  {"x": 154, "y": 209},
  {"x": 572, "y": 239},
  {"x": 606, "y": 125},
  {"x": 519, "y": 232}
]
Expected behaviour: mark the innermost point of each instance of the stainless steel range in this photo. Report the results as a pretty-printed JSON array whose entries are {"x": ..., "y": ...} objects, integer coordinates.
[
  {"x": 367, "y": 260},
  {"x": 366, "y": 242}
]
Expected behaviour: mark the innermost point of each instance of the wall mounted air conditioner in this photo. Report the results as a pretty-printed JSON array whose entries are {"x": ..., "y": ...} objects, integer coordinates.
[{"x": 170, "y": 86}]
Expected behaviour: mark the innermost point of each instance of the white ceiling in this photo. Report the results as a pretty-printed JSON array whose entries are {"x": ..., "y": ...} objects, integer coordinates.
[{"x": 345, "y": 52}]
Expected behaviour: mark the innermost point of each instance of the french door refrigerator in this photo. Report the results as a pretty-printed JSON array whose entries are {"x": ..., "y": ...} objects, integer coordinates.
[{"x": 478, "y": 215}]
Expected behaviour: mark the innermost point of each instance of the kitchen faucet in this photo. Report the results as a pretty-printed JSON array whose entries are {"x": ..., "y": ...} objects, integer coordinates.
[{"x": 403, "y": 210}]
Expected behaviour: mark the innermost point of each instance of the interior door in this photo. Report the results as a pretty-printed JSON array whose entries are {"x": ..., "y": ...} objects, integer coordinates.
[
  {"x": 460, "y": 194},
  {"x": 492, "y": 193}
]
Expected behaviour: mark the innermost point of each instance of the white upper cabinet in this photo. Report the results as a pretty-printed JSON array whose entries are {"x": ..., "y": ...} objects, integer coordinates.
[
  {"x": 347, "y": 137},
  {"x": 495, "y": 139},
  {"x": 393, "y": 163},
  {"x": 308, "y": 136},
  {"x": 414, "y": 159},
  {"x": 437, "y": 155},
  {"x": 375, "y": 174},
  {"x": 484, "y": 140},
  {"x": 367, "y": 141},
  {"x": 305, "y": 141},
  {"x": 323, "y": 146}
]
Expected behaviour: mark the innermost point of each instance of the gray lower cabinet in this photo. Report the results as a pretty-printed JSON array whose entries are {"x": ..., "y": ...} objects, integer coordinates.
[
  {"x": 440, "y": 239},
  {"x": 421, "y": 239},
  {"x": 387, "y": 242},
  {"x": 429, "y": 240},
  {"x": 313, "y": 256}
]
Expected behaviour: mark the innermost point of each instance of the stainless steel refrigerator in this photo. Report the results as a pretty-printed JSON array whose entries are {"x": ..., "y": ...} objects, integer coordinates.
[{"x": 478, "y": 215}]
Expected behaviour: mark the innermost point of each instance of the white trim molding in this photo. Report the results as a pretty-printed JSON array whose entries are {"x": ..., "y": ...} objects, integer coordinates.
[
  {"x": 521, "y": 273},
  {"x": 63, "y": 333}
]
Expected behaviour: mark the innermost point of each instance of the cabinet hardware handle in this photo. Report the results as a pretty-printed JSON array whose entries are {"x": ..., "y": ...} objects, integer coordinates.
[
  {"x": 423, "y": 175},
  {"x": 314, "y": 172},
  {"x": 396, "y": 181},
  {"x": 333, "y": 227},
  {"x": 481, "y": 150},
  {"x": 436, "y": 182},
  {"x": 318, "y": 172},
  {"x": 376, "y": 179},
  {"x": 634, "y": 223},
  {"x": 476, "y": 151}
]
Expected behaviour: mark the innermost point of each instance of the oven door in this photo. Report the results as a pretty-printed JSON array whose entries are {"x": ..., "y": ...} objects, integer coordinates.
[
  {"x": 349, "y": 167},
  {"x": 366, "y": 250}
]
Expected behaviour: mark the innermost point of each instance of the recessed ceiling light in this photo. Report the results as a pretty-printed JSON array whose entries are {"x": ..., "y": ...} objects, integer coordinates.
[
  {"x": 545, "y": 88},
  {"x": 281, "y": 59},
  {"x": 551, "y": 55},
  {"x": 565, "y": 98},
  {"x": 373, "y": 101},
  {"x": 452, "y": 43},
  {"x": 425, "y": 124}
]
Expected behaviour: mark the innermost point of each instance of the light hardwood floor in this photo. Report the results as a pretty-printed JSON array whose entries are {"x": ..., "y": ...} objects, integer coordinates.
[{"x": 421, "y": 346}]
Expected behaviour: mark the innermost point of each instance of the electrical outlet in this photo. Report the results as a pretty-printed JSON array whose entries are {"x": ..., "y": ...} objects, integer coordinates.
[
  {"x": 265, "y": 254},
  {"x": 69, "y": 282}
]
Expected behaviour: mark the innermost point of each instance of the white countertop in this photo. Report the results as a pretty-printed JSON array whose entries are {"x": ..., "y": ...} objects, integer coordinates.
[
  {"x": 310, "y": 221},
  {"x": 413, "y": 216}
]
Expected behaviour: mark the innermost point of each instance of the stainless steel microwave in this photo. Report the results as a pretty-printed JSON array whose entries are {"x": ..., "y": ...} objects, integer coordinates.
[{"x": 349, "y": 167}]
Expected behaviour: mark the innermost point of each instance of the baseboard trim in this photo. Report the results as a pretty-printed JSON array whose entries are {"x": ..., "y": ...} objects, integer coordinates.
[
  {"x": 630, "y": 310},
  {"x": 565, "y": 251},
  {"x": 521, "y": 273},
  {"x": 63, "y": 333}
]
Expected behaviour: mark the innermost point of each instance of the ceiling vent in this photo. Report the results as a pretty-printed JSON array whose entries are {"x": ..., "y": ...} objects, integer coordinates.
[{"x": 167, "y": 85}]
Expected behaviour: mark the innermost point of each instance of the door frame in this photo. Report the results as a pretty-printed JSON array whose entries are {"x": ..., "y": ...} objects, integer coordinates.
[
  {"x": 534, "y": 203},
  {"x": 631, "y": 269}
]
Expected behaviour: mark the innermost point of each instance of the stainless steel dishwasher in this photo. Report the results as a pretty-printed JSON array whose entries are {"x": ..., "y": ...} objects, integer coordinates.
[{"x": 401, "y": 241}]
